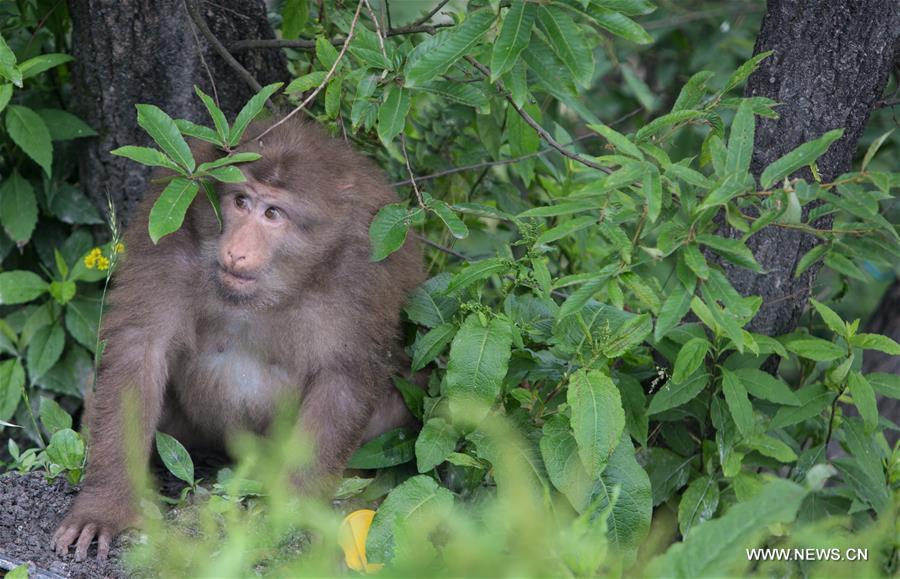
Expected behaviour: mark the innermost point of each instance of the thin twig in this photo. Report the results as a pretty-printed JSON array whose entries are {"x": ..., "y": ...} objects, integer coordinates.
[
  {"x": 379, "y": 34},
  {"x": 412, "y": 177},
  {"x": 328, "y": 76},
  {"x": 242, "y": 72},
  {"x": 440, "y": 247},
  {"x": 212, "y": 81},
  {"x": 427, "y": 18},
  {"x": 541, "y": 131},
  {"x": 305, "y": 44}
]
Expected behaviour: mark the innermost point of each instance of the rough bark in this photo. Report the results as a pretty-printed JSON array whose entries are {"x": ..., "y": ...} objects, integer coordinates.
[
  {"x": 829, "y": 68},
  {"x": 139, "y": 51}
]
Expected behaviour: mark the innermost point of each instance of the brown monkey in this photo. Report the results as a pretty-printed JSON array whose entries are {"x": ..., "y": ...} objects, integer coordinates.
[{"x": 208, "y": 330}]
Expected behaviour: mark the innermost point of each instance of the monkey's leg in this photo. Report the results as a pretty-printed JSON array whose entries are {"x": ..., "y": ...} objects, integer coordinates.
[{"x": 122, "y": 418}]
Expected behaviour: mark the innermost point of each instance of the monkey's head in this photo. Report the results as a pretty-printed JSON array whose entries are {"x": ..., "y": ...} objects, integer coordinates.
[{"x": 303, "y": 211}]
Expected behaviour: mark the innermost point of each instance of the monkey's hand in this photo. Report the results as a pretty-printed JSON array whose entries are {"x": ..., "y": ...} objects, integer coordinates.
[{"x": 91, "y": 517}]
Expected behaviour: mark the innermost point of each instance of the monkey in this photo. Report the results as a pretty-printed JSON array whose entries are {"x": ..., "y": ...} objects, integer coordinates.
[{"x": 209, "y": 329}]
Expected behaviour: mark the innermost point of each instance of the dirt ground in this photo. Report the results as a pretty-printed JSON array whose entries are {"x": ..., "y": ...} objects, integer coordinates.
[{"x": 30, "y": 510}]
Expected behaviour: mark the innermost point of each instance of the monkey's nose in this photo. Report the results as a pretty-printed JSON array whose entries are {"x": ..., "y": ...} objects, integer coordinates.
[{"x": 235, "y": 258}]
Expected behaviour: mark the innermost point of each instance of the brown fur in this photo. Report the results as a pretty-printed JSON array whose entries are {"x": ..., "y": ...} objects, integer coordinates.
[{"x": 205, "y": 358}]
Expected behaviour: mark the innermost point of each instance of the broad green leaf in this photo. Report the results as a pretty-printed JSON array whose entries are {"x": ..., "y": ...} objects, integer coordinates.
[
  {"x": 27, "y": 130},
  {"x": 197, "y": 131},
  {"x": 53, "y": 417},
  {"x": 864, "y": 399},
  {"x": 730, "y": 188},
  {"x": 326, "y": 53},
  {"x": 435, "y": 443},
  {"x": 873, "y": 148},
  {"x": 165, "y": 133},
  {"x": 733, "y": 250},
  {"x": 431, "y": 344},
  {"x": 738, "y": 403},
  {"x": 566, "y": 228},
  {"x": 717, "y": 548},
  {"x": 799, "y": 157},
  {"x": 869, "y": 486},
  {"x": 695, "y": 260},
  {"x": 809, "y": 258},
  {"x": 621, "y": 25},
  {"x": 82, "y": 319},
  {"x": 12, "y": 384},
  {"x": 772, "y": 447},
  {"x": 388, "y": 230},
  {"x": 227, "y": 174},
  {"x": 831, "y": 319},
  {"x": 175, "y": 457},
  {"x": 306, "y": 82},
  {"x": 250, "y": 111},
  {"x": 564, "y": 467},
  {"x": 689, "y": 176},
  {"x": 64, "y": 126},
  {"x": 659, "y": 124},
  {"x": 6, "y": 91},
  {"x": 463, "y": 93},
  {"x": 668, "y": 472},
  {"x": 885, "y": 384},
  {"x": 673, "y": 310},
  {"x": 333, "y": 97},
  {"x": 744, "y": 70},
  {"x": 66, "y": 449},
  {"x": 18, "y": 208},
  {"x": 392, "y": 112},
  {"x": 618, "y": 140},
  {"x": 391, "y": 448},
  {"x": 294, "y": 14},
  {"x": 653, "y": 192},
  {"x": 62, "y": 291},
  {"x": 38, "y": 64},
  {"x": 564, "y": 208},
  {"x": 513, "y": 38},
  {"x": 168, "y": 212},
  {"x": 428, "y": 306},
  {"x": 690, "y": 358},
  {"x": 740, "y": 142},
  {"x": 215, "y": 113},
  {"x": 672, "y": 395},
  {"x": 8, "y": 68},
  {"x": 813, "y": 400},
  {"x": 767, "y": 387},
  {"x": 698, "y": 504},
  {"x": 416, "y": 502},
  {"x": 413, "y": 395},
  {"x": 567, "y": 42},
  {"x": 816, "y": 349},
  {"x": 479, "y": 357},
  {"x": 693, "y": 91},
  {"x": 477, "y": 271},
  {"x": 450, "y": 46},
  {"x": 598, "y": 419},
  {"x": 876, "y": 342},
  {"x": 454, "y": 224},
  {"x": 231, "y": 159},
  {"x": 44, "y": 349},
  {"x": 147, "y": 156},
  {"x": 841, "y": 264},
  {"x": 20, "y": 286}
]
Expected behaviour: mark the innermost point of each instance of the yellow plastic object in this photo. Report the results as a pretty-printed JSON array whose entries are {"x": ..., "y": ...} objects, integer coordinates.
[{"x": 354, "y": 531}]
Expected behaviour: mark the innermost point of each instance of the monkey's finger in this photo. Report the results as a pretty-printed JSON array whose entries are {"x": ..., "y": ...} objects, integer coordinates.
[
  {"x": 64, "y": 537},
  {"x": 103, "y": 542},
  {"x": 84, "y": 541}
]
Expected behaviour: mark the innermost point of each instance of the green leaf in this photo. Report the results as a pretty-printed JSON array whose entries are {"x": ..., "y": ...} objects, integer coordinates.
[
  {"x": 197, "y": 131},
  {"x": 326, "y": 53},
  {"x": 690, "y": 358},
  {"x": 228, "y": 174},
  {"x": 428, "y": 306},
  {"x": 215, "y": 113},
  {"x": 745, "y": 70},
  {"x": 740, "y": 142},
  {"x": 618, "y": 140},
  {"x": 809, "y": 258},
  {"x": 44, "y": 349},
  {"x": 567, "y": 42},
  {"x": 841, "y": 264},
  {"x": 477, "y": 271},
  {"x": 8, "y": 68},
  {"x": 653, "y": 192},
  {"x": 864, "y": 399},
  {"x": 333, "y": 97},
  {"x": 767, "y": 387},
  {"x": 388, "y": 229},
  {"x": 738, "y": 403},
  {"x": 306, "y": 82},
  {"x": 816, "y": 349},
  {"x": 62, "y": 291},
  {"x": 168, "y": 212},
  {"x": 621, "y": 25},
  {"x": 873, "y": 148},
  {"x": 677, "y": 304},
  {"x": 64, "y": 126},
  {"x": 429, "y": 346},
  {"x": 38, "y": 64},
  {"x": 148, "y": 156},
  {"x": 18, "y": 208},
  {"x": 698, "y": 504},
  {"x": 479, "y": 357},
  {"x": 12, "y": 385},
  {"x": 876, "y": 342},
  {"x": 231, "y": 159},
  {"x": 388, "y": 449},
  {"x": 392, "y": 113},
  {"x": 799, "y": 157},
  {"x": 250, "y": 111},
  {"x": 417, "y": 501},
  {"x": 559, "y": 451},
  {"x": 17, "y": 287},
  {"x": 689, "y": 176},
  {"x": 639, "y": 88},
  {"x": 294, "y": 14},
  {"x": 53, "y": 417},
  {"x": 717, "y": 548},
  {"x": 885, "y": 384},
  {"x": 82, "y": 319},
  {"x": 733, "y": 250},
  {"x": 462, "y": 93},
  {"x": 66, "y": 449},
  {"x": 695, "y": 260},
  {"x": 693, "y": 91},
  {"x": 672, "y": 395},
  {"x": 513, "y": 38},
  {"x": 450, "y": 46},
  {"x": 435, "y": 443},
  {"x": 567, "y": 228},
  {"x": 6, "y": 91},
  {"x": 454, "y": 224},
  {"x": 564, "y": 208},
  {"x": 166, "y": 135},
  {"x": 28, "y": 131},
  {"x": 175, "y": 457},
  {"x": 813, "y": 399},
  {"x": 772, "y": 447},
  {"x": 659, "y": 124},
  {"x": 598, "y": 418},
  {"x": 831, "y": 319}
]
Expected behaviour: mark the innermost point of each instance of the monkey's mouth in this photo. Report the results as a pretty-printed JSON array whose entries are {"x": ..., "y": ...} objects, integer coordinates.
[{"x": 236, "y": 281}]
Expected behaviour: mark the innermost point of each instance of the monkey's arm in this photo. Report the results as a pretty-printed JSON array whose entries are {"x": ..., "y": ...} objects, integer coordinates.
[{"x": 122, "y": 416}]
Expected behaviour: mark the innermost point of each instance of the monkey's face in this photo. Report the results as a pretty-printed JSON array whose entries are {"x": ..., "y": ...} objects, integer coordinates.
[{"x": 263, "y": 229}]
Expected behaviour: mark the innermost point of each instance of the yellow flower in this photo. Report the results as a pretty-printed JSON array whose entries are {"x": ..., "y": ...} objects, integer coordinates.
[
  {"x": 102, "y": 263},
  {"x": 353, "y": 533},
  {"x": 92, "y": 259},
  {"x": 120, "y": 247}
]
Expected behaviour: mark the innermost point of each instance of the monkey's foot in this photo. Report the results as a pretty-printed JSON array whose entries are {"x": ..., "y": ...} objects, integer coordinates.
[{"x": 82, "y": 535}]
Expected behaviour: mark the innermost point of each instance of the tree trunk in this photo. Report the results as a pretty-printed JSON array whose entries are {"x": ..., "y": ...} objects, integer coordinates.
[
  {"x": 829, "y": 68},
  {"x": 134, "y": 51}
]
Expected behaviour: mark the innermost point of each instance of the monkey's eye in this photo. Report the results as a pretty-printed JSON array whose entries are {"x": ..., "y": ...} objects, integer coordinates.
[
  {"x": 273, "y": 213},
  {"x": 240, "y": 201}
]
